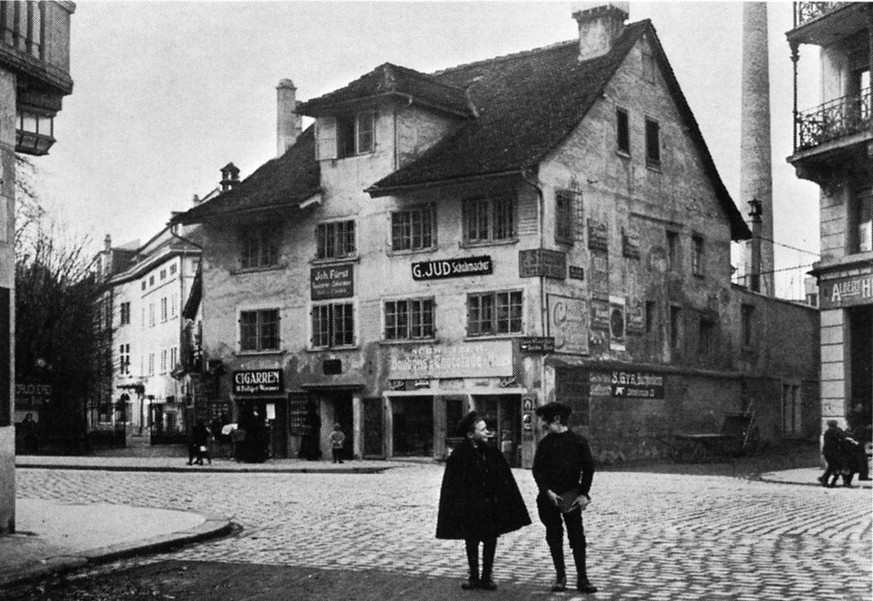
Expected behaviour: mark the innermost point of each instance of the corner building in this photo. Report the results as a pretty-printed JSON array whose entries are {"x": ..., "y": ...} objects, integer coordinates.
[
  {"x": 542, "y": 226},
  {"x": 833, "y": 147}
]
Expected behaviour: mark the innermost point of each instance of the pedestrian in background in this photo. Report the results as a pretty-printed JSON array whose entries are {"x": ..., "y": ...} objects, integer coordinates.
[
  {"x": 479, "y": 500},
  {"x": 563, "y": 468},
  {"x": 861, "y": 430},
  {"x": 199, "y": 449},
  {"x": 337, "y": 439},
  {"x": 832, "y": 449}
]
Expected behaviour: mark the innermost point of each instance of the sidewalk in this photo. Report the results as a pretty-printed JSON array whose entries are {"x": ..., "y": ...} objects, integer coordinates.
[{"x": 806, "y": 476}]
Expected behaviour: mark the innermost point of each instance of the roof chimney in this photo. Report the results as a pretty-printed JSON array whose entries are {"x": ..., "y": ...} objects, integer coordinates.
[
  {"x": 229, "y": 177},
  {"x": 600, "y": 24},
  {"x": 289, "y": 124},
  {"x": 107, "y": 242}
]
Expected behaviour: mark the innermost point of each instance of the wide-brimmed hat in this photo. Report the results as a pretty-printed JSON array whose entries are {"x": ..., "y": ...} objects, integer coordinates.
[{"x": 467, "y": 422}]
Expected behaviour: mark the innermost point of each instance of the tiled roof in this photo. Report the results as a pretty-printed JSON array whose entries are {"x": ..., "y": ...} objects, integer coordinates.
[
  {"x": 528, "y": 103},
  {"x": 388, "y": 79},
  {"x": 281, "y": 182}
]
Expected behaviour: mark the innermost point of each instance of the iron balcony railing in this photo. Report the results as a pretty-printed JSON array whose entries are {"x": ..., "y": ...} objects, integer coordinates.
[
  {"x": 834, "y": 119},
  {"x": 804, "y": 12}
]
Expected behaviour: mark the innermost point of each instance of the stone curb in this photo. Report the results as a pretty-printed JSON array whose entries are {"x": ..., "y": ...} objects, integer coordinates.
[
  {"x": 205, "y": 470},
  {"x": 212, "y": 527}
]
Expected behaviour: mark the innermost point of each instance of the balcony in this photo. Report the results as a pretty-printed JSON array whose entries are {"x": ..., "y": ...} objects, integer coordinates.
[
  {"x": 823, "y": 22},
  {"x": 804, "y": 12},
  {"x": 833, "y": 120}
]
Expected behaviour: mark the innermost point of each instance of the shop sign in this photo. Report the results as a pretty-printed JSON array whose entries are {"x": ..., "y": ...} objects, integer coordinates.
[
  {"x": 577, "y": 273},
  {"x": 630, "y": 243},
  {"x": 536, "y": 262},
  {"x": 452, "y": 268},
  {"x": 332, "y": 281},
  {"x": 257, "y": 381},
  {"x": 488, "y": 358},
  {"x": 846, "y": 292},
  {"x": 568, "y": 323},
  {"x": 396, "y": 384},
  {"x": 598, "y": 235},
  {"x": 32, "y": 396},
  {"x": 599, "y": 274},
  {"x": 600, "y": 313},
  {"x": 637, "y": 385},
  {"x": 537, "y": 344},
  {"x": 527, "y": 405},
  {"x": 635, "y": 319}
]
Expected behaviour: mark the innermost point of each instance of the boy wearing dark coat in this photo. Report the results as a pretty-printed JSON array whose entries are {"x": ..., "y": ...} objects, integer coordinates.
[
  {"x": 563, "y": 468},
  {"x": 832, "y": 449},
  {"x": 479, "y": 500}
]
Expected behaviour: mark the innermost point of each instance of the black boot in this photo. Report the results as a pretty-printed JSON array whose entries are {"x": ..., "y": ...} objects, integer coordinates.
[
  {"x": 557, "y": 551},
  {"x": 473, "y": 564},
  {"x": 489, "y": 546},
  {"x": 582, "y": 583}
]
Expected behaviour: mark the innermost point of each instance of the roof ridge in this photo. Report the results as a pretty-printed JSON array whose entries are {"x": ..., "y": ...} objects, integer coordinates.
[{"x": 503, "y": 57}]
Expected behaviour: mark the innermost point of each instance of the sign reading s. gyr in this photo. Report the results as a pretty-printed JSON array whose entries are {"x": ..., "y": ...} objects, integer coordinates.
[{"x": 257, "y": 381}]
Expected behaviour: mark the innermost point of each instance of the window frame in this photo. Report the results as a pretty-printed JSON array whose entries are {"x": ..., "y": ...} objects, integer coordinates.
[
  {"x": 428, "y": 228},
  {"x": 490, "y": 315},
  {"x": 653, "y": 143},
  {"x": 255, "y": 331},
  {"x": 747, "y": 326},
  {"x": 622, "y": 131},
  {"x": 258, "y": 247},
  {"x": 124, "y": 313},
  {"x": 350, "y": 134},
  {"x": 674, "y": 250},
  {"x": 329, "y": 239},
  {"x": 325, "y": 325},
  {"x": 706, "y": 334},
  {"x": 565, "y": 213},
  {"x": 698, "y": 255},
  {"x": 426, "y": 307},
  {"x": 482, "y": 214}
]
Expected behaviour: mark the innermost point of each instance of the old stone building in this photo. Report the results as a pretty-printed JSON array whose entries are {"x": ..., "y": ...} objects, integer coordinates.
[
  {"x": 34, "y": 78},
  {"x": 833, "y": 147},
  {"x": 539, "y": 226}
]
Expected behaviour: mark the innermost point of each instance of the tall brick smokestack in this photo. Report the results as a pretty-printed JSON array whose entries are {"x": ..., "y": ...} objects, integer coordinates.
[
  {"x": 756, "y": 179},
  {"x": 289, "y": 124}
]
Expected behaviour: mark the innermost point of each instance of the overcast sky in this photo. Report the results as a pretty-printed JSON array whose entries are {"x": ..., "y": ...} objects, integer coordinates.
[{"x": 166, "y": 93}]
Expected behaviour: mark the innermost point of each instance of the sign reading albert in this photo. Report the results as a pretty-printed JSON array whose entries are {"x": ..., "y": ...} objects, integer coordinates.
[
  {"x": 845, "y": 292},
  {"x": 451, "y": 268},
  {"x": 257, "y": 381},
  {"x": 332, "y": 281}
]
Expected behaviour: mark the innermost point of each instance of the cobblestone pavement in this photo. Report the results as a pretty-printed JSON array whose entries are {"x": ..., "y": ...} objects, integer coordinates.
[{"x": 651, "y": 536}]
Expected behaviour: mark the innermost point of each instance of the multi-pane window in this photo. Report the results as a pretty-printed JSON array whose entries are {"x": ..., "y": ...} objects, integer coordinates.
[
  {"x": 333, "y": 325},
  {"x": 335, "y": 240},
  {"x": 21, "y": 25},
  {"x": 492, "y": 313},
  {"x": 355, "y": 134},
  {"x": 174, "y": 357},
  {"x": 259, "y": 247},
  {"x": 124, "y": 359},
  {"x": 409, "y": 319},
  {"x": 173, "y": 269},
  {"x": 151, "y": 364},
  {"x": 488, "y": 219},
  {"x": 124, "y": 309},
  {"x": 413, "y": 228},
  {"x": 164, "y": 309},
  {"x": 259, "y": 330},
  {"x": 747, "y": 316},
  {"x": 861, "y": 220},
  {"x": 163, "y": 360},
  {"x": 151, "y": 314},
  {"x": 622, "y": 131},
  {"x": 653, "y": 143},
  {"x": 173, "y": 304},
  {"x": 564, "y": 216},
  {"x": 673, "y": 250},
  {"x": 697, "y": 255}
]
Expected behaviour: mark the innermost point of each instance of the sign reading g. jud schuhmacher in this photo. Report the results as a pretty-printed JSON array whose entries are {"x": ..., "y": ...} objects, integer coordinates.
[{"x": 451, "y": 268}]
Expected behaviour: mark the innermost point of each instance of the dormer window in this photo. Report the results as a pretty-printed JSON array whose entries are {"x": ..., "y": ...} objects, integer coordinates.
[{"x": 355, "y": 134}]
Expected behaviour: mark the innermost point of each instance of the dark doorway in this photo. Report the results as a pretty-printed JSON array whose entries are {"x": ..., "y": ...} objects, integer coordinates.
[
  {"x": 861, "y": 356},
  {"x": 373, "y": 429},
  {"x": 502, "y": 415},
  {"x": 412, "y": 419},
  {"x": 343, "y": 415}
]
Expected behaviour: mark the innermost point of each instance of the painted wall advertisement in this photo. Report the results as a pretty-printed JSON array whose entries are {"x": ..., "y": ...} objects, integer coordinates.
[
  {"x": 626, "y": 384},
  {"x": 488, "y": 358}
]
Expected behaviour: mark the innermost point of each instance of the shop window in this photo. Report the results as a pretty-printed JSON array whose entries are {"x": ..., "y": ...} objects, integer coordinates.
[
  {"x": 564, "y": 213},
  {"x": 333, "y": 325},
  {"x": 335, "y": 240},
  {"x": 259, "y": 248},
  {"x": 494, "y": 313},
  {"x": 622, "y": 131},
  {"x": 653, "y": 143},
  {"x": 489, "y": 219},
  {"x": 259, "y": 330},
  {"x": 409, "y": 319},
  {"x": 414, "y": 228}
]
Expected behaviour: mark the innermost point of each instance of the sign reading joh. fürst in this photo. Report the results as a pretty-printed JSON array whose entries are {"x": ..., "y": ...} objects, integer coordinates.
[
  {"x": 637, "y": 385},
  {"x": 451, "y": 268},
  {"x": 257, "y": 381},
  {"x": 332, "y": 281}
]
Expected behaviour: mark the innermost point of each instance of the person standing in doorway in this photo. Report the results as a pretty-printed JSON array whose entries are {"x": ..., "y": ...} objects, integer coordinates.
[
  {"x": 479, "y": 500},
  {"x": 337, "y": 439},
  {"x": 563, "y": 468}
]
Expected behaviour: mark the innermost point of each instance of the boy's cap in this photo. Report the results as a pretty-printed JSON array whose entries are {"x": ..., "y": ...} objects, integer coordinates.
[
  {"x": 833, "y": 423},
  {"x": 467, "y": 422},
  {"x": 549, "y": 411}
]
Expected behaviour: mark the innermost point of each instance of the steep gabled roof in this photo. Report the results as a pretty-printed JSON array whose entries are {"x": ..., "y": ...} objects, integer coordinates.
[
  {"x": 286, "y": 181},
  {"x": 528, "y": 104},
  {"x": 391, "y": 80}
]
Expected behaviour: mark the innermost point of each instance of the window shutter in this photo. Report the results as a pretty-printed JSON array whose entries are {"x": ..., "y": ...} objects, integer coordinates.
[{"x": 325, "y": 132}]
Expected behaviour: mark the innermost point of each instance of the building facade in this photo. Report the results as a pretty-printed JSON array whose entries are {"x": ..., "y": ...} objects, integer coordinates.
[
  {"x": 833, "y": 147},
  {"x": 547, "y": 225},
  {"x": 34, "y": 78},
  {"x": 143, "y": 397}
]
